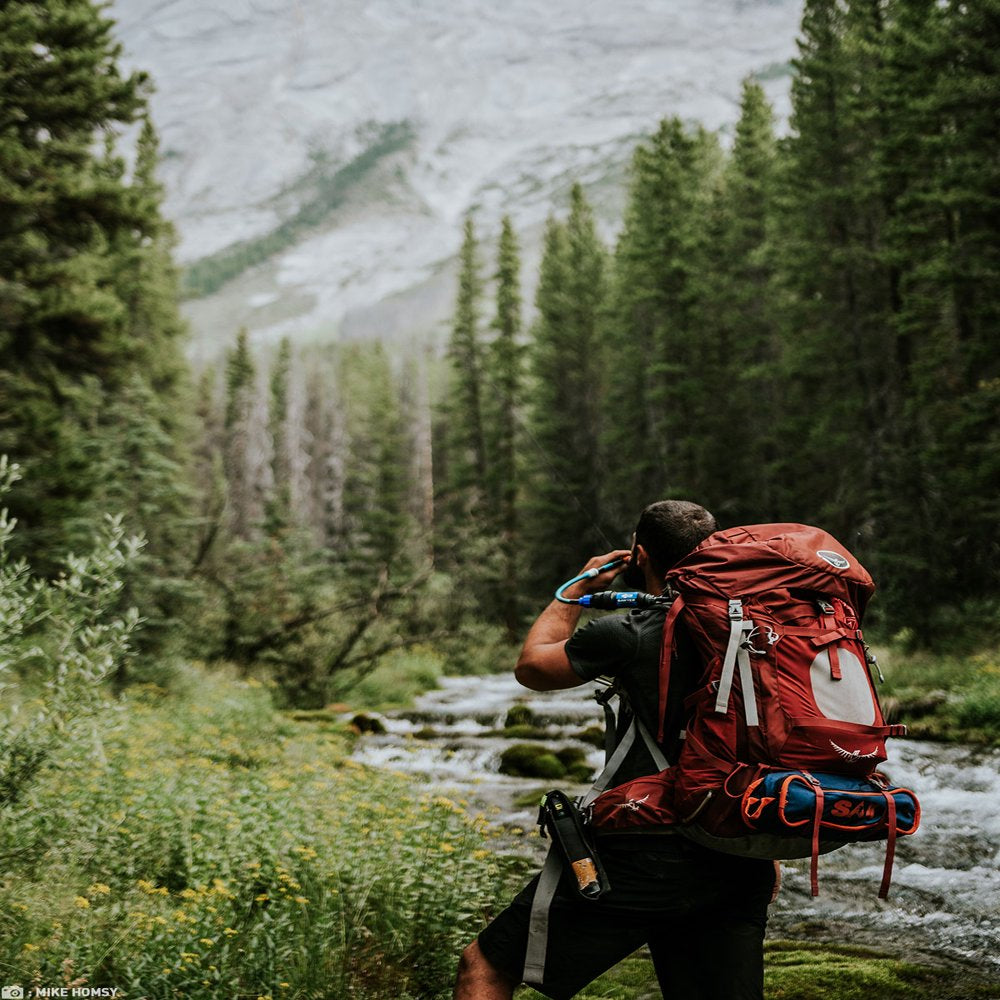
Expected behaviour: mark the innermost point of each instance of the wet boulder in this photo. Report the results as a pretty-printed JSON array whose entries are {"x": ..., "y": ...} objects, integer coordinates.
[
  {"x": 574, "y": 760},
  {"x": 518, "y": 716},
  {"x": 530, "y": 760},
  {"x": 592, "y": 735},
  {"x": 363, "y": 723}
]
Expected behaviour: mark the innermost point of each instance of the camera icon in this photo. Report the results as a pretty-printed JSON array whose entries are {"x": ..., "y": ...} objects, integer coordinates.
[{"x": 12, "y": 993}]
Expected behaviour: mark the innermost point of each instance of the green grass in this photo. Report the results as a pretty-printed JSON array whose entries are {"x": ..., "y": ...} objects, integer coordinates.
[
  {"x": 395, "y": 682},
  {"x": 796, "y": 970},
  {"x": 944, "y": 696},
  {"x": 198, "y": 845}
]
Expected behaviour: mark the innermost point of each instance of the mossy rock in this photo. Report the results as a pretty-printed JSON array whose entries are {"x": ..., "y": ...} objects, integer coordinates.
[
  {"x": 425, "y": 733},
  {"x": 518, "y": 716},
  {"x": 592, "y": 735},
  {"x": 368, "y": 724},
  {"x": 528, "y": 760},
  {"x": 568, "y": 756}
]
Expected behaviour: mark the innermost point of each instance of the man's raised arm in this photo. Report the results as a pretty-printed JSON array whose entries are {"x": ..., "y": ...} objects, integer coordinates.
[{"x": 543, "y": 664}]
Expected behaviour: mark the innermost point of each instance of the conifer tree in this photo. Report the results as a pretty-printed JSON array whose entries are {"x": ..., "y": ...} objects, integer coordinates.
[
  {"x": 833, "y": 216},
  {"x": 736, "y": 320},
  {"x": 279, "y": 429},
  {"x": 377, "y": 481},
  {"x": 244, "y": 457},
  {"x": 561, "y": 526},
  {"x": 653, "y": 443},
  {"x": 89, "y": 326},
  {"x": 505, "y": 377},
  {"x": 465, "y": 436},
  {"x": 938, "y": 165}
]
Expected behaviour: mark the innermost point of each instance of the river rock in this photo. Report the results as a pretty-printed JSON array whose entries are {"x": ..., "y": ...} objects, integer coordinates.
[
  {"x": 528, "y": 760},
  {"x": 519, "y": 716},
  {"x": 368, "y": 724}
]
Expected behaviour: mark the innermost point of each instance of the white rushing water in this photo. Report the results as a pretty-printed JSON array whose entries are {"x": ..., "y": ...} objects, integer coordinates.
[{"x": 945, "y": 897}]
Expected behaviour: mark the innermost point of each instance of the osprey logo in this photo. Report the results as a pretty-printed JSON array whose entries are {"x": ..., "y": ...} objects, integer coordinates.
[
  {"x": 853, "y": 754},
  {"x": 835, "y": 559},
  {"x": 632, "y": 805}
]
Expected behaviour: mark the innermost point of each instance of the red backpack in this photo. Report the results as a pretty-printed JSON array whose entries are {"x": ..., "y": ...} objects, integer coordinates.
[{"x": 784, "y": 731}]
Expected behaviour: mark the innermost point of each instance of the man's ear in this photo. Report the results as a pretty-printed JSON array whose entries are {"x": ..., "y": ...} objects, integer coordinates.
[{"x": 641, "y": 556}]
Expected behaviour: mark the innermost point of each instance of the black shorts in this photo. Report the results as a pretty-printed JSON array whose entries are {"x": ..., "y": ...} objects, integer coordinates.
[{"x": 702, "y": 914}]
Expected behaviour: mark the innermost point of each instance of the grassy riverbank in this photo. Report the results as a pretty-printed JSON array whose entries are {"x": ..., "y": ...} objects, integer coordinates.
[
  {"x": 795, "y": 970},
  {"x": 940, "y": 696},
  {"x": 198, "y": 845}
]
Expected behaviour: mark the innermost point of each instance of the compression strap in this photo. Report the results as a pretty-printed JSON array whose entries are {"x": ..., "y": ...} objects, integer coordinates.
[{"x": 538, "y": 922}]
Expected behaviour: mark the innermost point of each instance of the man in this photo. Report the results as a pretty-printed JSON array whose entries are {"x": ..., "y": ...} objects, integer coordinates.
[{"x": 702, "y": 913}]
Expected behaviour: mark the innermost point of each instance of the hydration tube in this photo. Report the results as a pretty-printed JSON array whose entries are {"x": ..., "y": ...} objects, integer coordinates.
[{"x": 609, "y": 600}]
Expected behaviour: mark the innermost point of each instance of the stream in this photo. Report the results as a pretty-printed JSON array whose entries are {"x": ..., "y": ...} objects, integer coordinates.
[{"x": 944, "y": 904}]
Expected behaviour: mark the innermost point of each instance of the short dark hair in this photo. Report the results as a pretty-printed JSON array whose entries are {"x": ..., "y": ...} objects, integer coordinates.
[{"x": 669, "y": 529}]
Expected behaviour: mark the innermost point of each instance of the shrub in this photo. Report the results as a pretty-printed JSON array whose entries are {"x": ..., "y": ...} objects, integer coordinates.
[
  {"x": 60, "y": 639},
  {"x": 218, "y": 851}
]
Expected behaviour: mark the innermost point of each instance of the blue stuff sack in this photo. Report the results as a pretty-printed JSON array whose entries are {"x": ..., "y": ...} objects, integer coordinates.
[
  {"x": 849, "y": 808},
  {"x": 831, "y": 807}
]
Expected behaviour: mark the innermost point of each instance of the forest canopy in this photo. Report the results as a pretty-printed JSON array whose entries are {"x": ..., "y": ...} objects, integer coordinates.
[{"x": 796, "y": 328}]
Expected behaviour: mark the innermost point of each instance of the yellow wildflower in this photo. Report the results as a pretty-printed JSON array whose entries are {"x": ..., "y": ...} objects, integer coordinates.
[
  {"x": 229, "y": 932},
  {"x": 82, "y": 902},
  {"x": 99, "y": 889},
  {"x": 445, "y": 847}
]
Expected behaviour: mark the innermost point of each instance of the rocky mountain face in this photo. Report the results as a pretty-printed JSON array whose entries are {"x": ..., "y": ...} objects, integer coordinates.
[{"x": 319, "y": 155}]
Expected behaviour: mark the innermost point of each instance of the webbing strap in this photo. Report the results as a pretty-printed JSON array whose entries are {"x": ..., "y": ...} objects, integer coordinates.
[
  {"x": 655, "y": 752},
  {"x": 736, "y": 624},
  {"x": 746, "y": 686},
  {"x": 737, "y": 653},
  {"x": 817, "y": 818},
  {"x": 609, "y": 728},
  {"x": 614, "y": 762},
  {"x": 890, "y": 848},
  {"x": 666, "y": 656},
  {"x": 538, "y": 922}
]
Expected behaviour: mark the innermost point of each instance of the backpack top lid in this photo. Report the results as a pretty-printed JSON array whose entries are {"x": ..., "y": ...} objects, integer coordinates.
[{"x": 751, "y": 559}]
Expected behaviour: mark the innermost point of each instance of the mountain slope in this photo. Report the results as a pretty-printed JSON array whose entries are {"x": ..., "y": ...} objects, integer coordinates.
[{"x": 320, "y": 156}]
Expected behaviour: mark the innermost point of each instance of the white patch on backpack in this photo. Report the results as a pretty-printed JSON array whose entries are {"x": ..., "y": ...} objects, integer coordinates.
[
  {"x": 835, "y": 559},
  {"x": 853, "y": 754},
  {"x": 632, "y": 805}
]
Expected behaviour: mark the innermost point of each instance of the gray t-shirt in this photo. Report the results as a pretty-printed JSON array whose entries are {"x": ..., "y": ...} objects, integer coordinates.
[{"x": 626, "y": 647}]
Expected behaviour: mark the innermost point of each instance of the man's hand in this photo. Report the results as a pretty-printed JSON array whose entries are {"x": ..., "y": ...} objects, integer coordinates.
[
  {"x": 543, "y": 664},
  {"x": 601, "y": 581}
]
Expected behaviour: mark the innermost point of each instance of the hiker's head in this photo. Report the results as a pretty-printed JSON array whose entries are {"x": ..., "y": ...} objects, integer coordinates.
[{"x": 667, "y": 531}]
